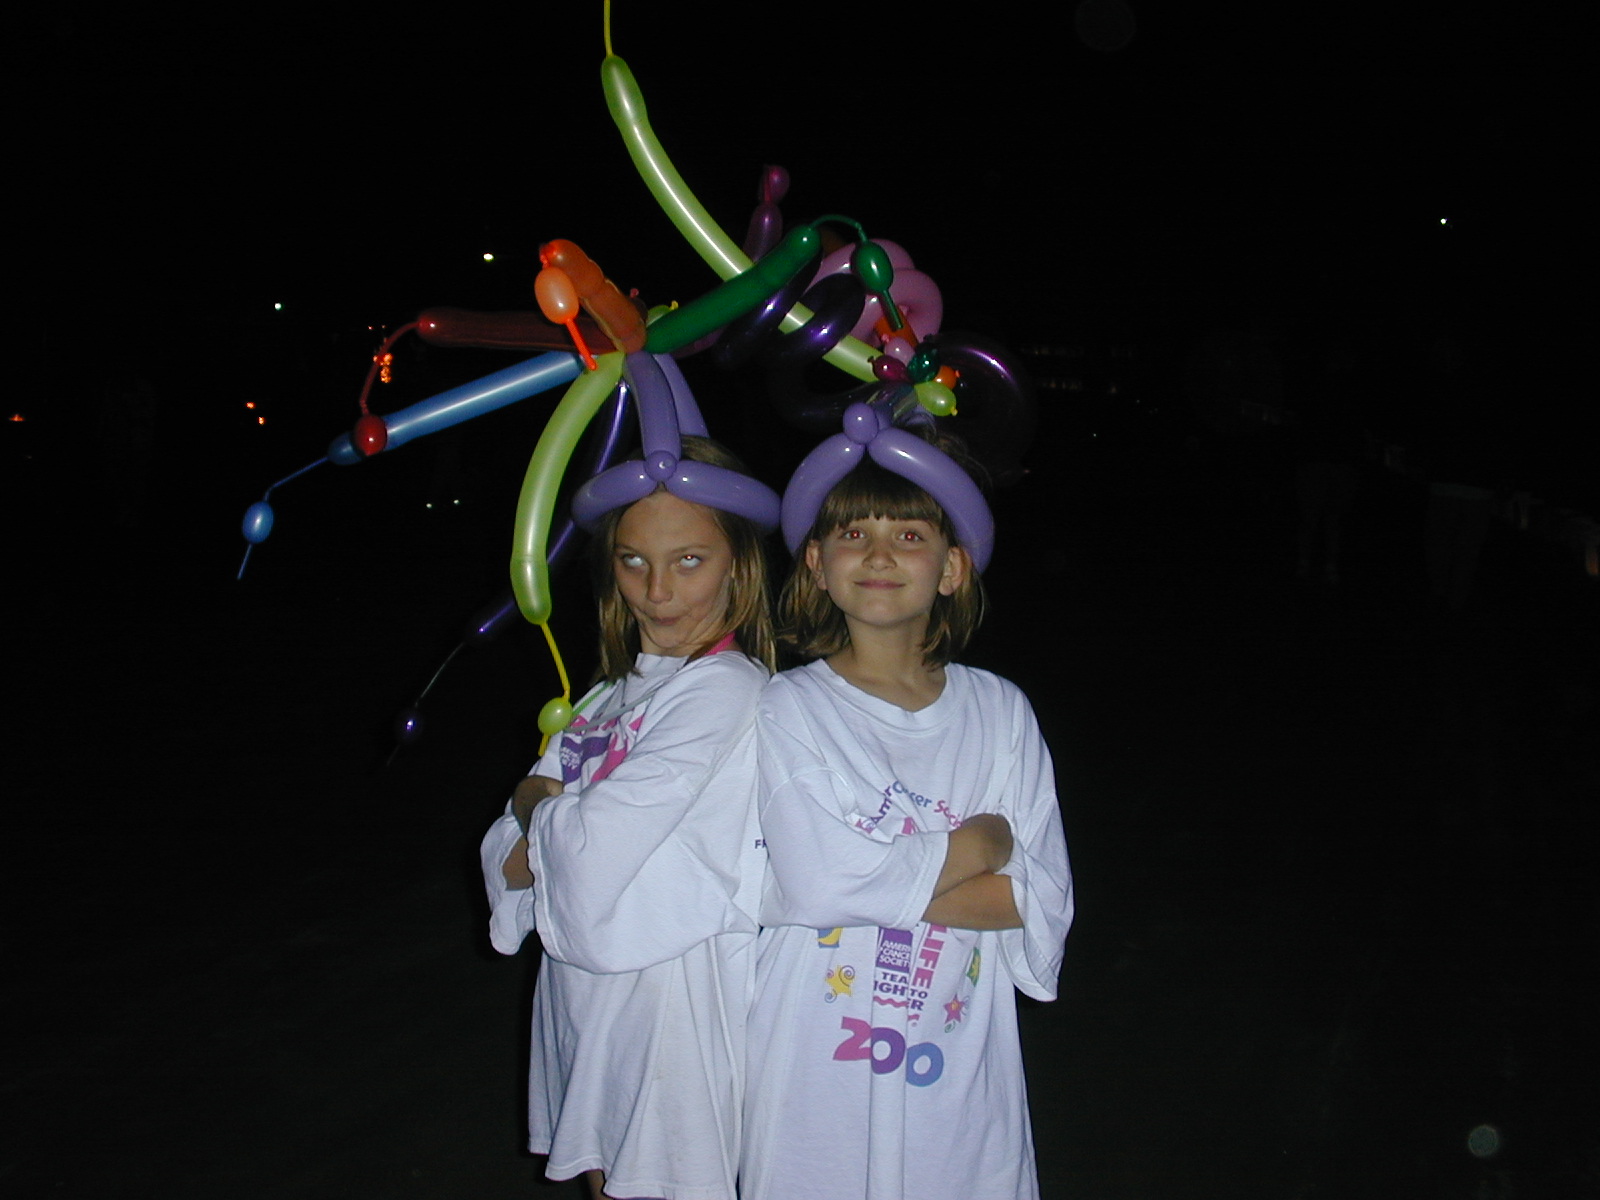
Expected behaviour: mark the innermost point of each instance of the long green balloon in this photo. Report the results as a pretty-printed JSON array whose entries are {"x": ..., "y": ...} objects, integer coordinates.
[
  {"x": 736, "y": 296},
  {"x": 530, "y": 573},
  {"x": 721, "y": 253}
]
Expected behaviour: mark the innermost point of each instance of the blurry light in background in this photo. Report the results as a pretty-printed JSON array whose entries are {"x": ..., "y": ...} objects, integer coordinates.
[
  {"x": 277, "y": 307},
  {"x": 488, "y": 257},
  {"x": 16, "y": 417},
  {"x": 1483, "y": 1141}
]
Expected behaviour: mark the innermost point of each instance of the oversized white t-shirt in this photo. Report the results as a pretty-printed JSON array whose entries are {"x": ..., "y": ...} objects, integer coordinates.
[
  {"x": 647, "y": 875},
  {"x": 884, "y": 1061}
]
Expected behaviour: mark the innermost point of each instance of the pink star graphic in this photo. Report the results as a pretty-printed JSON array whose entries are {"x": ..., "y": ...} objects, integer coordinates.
[{"x": 954, "y": 1011}]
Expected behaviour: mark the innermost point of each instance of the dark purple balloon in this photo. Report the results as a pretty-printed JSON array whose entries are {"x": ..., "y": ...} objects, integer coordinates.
[
  {"x": 836, "y": 303},
  {"x": 744, "y": 335},
  {"x": 998, "y": 412}
]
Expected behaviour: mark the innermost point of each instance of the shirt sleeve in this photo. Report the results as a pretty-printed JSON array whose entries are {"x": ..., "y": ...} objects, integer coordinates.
[
  {"x": 1041, "y": 878},
  {"x": 639, "y": 867},
  {"x": 830, "y": 865},
  {"x": 510, "y": 910}
]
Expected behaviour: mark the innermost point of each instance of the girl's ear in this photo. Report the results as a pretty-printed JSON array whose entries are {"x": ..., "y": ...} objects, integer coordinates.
[
  {"x": 957, "y": 566},
  {"x": 814, "y": 565}
]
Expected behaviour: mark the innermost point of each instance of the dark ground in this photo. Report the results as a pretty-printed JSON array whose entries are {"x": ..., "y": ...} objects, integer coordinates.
[{"x": 1331, "y": 850}]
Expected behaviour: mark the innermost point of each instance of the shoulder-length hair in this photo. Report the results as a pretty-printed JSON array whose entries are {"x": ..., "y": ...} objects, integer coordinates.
[
  {"x": 814, "y": 625},
  {"x": 749, "y": 616}
]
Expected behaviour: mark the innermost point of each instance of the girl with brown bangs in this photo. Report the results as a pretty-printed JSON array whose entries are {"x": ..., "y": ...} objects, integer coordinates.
[{"x": 918, "y": 874}]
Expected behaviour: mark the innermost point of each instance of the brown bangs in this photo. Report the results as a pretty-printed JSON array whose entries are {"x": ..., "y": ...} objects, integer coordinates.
[{"x": 871, "y": 491}]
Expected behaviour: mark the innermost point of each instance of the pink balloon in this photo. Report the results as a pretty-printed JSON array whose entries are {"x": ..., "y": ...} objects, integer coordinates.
[{"x": 918, "y": 297}]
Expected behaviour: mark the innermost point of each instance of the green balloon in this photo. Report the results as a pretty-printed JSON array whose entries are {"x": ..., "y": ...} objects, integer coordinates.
[
  {"x": 871, "y": 264},
  {"x": 721, "y": 253},
  {"x": 936, "y": 398},
  {"x": 530, "y": 573},
  {"x": 555, "y": 716},
  {"x": 924, "y": 365},
  {"x": 737, "y": 296}
]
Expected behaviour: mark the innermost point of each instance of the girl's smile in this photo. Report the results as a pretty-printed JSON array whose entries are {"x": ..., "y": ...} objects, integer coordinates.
[{"x": 883, "y": 571}]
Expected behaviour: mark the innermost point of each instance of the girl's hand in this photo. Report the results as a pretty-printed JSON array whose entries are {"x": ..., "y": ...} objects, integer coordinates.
[
  {"x": 525, "y": 798},
  {"x": 980, "y": 846},
  {"x": 995, "y": 834}
]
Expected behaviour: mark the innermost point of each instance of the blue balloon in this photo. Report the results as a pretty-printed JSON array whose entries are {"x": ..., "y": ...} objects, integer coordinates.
[
  {"x": 257, "y": 522},
  {"x": 467, "y": 401}
]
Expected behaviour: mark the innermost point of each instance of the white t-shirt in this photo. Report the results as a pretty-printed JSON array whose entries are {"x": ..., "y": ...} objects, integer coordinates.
[
  {"x": 647, "y": 876},
  {"x": 884, "y": 1060}
]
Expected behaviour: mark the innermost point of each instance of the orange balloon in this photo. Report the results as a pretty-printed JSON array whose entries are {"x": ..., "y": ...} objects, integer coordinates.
[
  {"x": 616, "y": 315},
  {"x": 558, "y": 299}
]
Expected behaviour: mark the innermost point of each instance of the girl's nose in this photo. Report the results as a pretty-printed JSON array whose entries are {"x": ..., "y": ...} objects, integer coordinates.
[
  {"x": 658, "y": 588},
  {"x": 880, "y": 552}
]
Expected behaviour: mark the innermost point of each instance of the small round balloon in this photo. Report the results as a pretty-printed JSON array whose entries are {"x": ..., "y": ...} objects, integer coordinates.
[
  {"x": 370, "y": 435},
  {"x": 555, "y": 716},
  {"x": 257, "y": 522}
]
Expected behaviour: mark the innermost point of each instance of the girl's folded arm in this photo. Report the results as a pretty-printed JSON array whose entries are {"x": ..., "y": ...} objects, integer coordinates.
[
  {"x": 831, "y": 864},
  {"x": 607, "y": 858}
]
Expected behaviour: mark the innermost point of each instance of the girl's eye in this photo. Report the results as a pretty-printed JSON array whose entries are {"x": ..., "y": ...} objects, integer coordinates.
[
  {"x": 632, "y": 561},
  {"x": 690, "y": 560},
  {"x": 850, "y": 535}
]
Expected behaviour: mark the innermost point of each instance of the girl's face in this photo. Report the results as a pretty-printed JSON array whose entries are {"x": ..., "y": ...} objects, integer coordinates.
[
  {"x": 672, "y": 563},
  {"x": 884, "y": 572}
]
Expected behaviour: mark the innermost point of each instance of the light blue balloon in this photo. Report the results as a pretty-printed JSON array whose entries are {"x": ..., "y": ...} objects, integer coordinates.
[{"x": 467, "y": 401}]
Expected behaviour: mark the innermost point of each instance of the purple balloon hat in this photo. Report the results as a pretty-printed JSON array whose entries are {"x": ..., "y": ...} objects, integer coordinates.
[
  {"x": 667, "y": 411},
  {"x": 870, "y": 431}
]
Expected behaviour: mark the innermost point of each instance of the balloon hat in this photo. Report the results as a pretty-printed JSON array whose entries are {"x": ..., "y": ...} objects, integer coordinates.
[
  {"x": 870, "y": 431},
  {"x": 667, "y": 411}
]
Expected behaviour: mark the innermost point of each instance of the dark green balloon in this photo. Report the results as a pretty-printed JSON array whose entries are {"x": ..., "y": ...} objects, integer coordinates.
[
  {"x": 872, "y": 266},
  {"x": 924, "y": 365},
  {"x": 737, "y": 296}
]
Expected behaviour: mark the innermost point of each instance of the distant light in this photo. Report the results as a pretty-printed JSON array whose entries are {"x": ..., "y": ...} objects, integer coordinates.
[
  {"x": 249, "y": 403},
  {"x": 16, "y": 417},
  {"x": 1483, "y": 1141},
  {"x": 277, "y": 307},
  {"x": 261, "y": 420},
  {"x": 487, "y": 257}
]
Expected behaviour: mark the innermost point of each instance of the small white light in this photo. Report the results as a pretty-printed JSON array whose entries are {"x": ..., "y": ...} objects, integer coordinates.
[
  {"x": 277, "y": 308},
  {"x": 487, "y": 257}
]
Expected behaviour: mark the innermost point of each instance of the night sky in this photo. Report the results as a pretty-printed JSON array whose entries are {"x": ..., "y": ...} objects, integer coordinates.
[
  {"x": 1383, "y": 189},
  {"x": 1333, "y": 841}
]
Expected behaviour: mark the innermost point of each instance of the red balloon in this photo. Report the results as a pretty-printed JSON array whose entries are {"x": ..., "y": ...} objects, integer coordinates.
[{"x": 370, "y": 435}]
